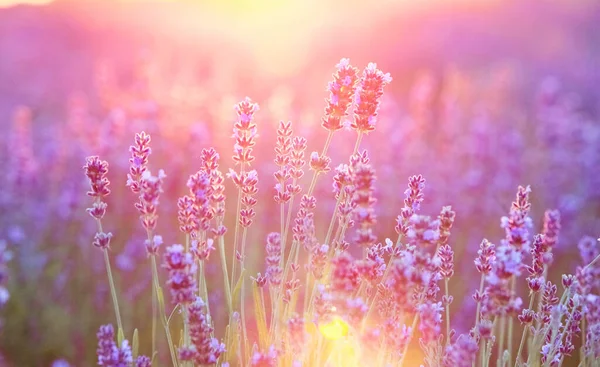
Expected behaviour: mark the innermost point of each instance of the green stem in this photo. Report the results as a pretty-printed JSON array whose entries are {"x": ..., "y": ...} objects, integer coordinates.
[
  {"x": 154, "y": 316},
  {"x": 236, "y": 234},
  {"x": 501, "y": 338},
  {"x": 596, "y": 259},
  {"x": 333, "y": 217},
  {"x": 477, "y": 314},
  {"x": 525, "y": 330},
  {"x": 242, "y": 296},
  {"x": 306, "y": 288},
  {"x": 154, "y": 302},
  {"x": 447, "y": 313},
  {"x": 289, "y": 215},
  {"x": 511, "y": 319},
  {"x": 313, "y": 182},
  {"x": 113, "y": 291},
  {"x": 357, "y": 144},
  {"x": 163, "y": 313},
  {"x": 225, "y": 274}
]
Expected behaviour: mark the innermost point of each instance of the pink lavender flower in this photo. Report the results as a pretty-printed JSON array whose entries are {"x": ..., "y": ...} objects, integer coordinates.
[
  {"x": 551, "y": 229},
  {"x": 297, "y": 333},
  {"x": 536, "y": 270},
  {"x": 412, "y": 203},
  {"x": 96, "y": 171},
  {"x": 181, "y": 266},
  {"x": 367, "y": 98},
  {"x": 138, "y": 162},
  {"x": 322, "y": 304},
  {"x": 204, "y": 349},
  {"x": 273, "y": 259},
  {"x": 297, "y": 161},
  {"x": 548, "y": 301},
  {"x": 319, "y": 163},
  {"x": 153, "y": 246},
  {"x": 283, "y": 150},
  {"x": 400, "y": 336},
  {"x": 363, "y": 179},
  {"x": 244, "y": 131},
  {"x": 446, "y": 261},
  {"x": 345, "y": 276},
  {"x": 318, "y": 261},
  {"x": 186, "y": 214},
  {"x": 265, "y": 359},
  {"x": 202, "y": 249},
  {"x": 200, "y": 188},
  {"x": 341, "y": 90},
  {"x": 517, "y": 223},
  {"x": 486, "y": 257},
  {"x": 150, "y": 190},
  {"x": 446, "y": 219},
  {"x": 109, "y": 355},
  {"x": 460, "y": 353},
  {"x": 423, "y": 230},
  {"x": 143, "y": 361},
  {"x": 355, "y": 310},
  {"x": 102, "y": 240},
  {"x": 301, "y": 229},
  {"x": 431, "y": 321},
  {"x": 290, "y": 287},
  {"x": 372, "y": 268},
  {"x": 526, "y": 317},
  {"x": 247, "y": 182}
]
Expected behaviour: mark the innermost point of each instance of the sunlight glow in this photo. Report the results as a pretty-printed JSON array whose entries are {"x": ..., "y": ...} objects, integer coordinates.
[{"x": 335, "y": 329}]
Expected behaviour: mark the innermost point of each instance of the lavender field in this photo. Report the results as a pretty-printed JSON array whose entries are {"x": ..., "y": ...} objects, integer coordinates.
[{"x": 300, "y": 183}]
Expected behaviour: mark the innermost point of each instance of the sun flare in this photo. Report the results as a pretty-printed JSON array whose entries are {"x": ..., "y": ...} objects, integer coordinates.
[{"x": 334, "y": 329}]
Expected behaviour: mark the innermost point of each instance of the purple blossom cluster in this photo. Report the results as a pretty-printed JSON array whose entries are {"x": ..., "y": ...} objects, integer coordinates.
[{"x": 355, "y": 288}]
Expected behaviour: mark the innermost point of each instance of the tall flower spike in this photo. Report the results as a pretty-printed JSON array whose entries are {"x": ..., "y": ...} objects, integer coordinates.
[
  {"x": 341, "y": 90},
  {"x": 517, "y": 223},
  {"x": 150, "y": 190},
  {"x": 298, "y": 149},
  {"x": 283, "y": 150},
  {"x": 138, "y": 162},
  {"x": 244, "y": 131},
  {"x": 205, "y": 350},
  {"x": 446, "y": 219},
  {"x": 96, "y": 171},
  {"x": 180, "y": 265},
  {"x": 273, "y": 259},
  {"x": 412, "y": 203},
  {"x": 109, "y": 355},
  {"x": 367, "y": 98},
  {"x": 364, "y": 202}
]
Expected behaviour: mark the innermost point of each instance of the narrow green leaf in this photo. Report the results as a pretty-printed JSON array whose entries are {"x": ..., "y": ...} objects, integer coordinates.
[
  {"x": 120, "y": 337},
  {"x": 261, "y": 318},
  {"x": 135, "y": 344},
  {"x": 238, "y": 287},
  {"x": 154, "y": 355}
]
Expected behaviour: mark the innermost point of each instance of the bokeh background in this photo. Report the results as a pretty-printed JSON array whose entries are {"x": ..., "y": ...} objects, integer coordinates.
[{"x": 487, "y": 95}]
